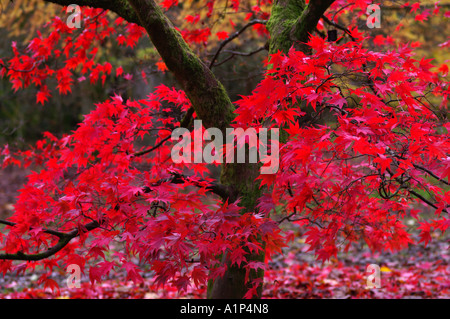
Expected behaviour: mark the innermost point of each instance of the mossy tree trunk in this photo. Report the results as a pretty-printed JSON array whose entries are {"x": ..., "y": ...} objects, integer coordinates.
[{"x": 240, "y": 179}]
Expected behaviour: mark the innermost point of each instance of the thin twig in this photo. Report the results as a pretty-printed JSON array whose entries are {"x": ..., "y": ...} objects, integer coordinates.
[{"x": 231, "y": 38}]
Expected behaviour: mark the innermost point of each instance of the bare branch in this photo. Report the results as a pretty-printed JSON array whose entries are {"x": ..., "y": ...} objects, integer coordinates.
[{"x": 231, "y": 38}]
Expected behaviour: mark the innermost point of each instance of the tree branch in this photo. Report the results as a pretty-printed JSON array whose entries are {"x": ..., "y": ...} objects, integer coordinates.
[
  {"x": 308, "y": 20},
  {"x": 184, "y": 123},
  {"x": 423, "y": 169},
  {"x": 328, "y": 21},
  {"x": 231, "y": 38},
  {"x": 431, "y": 173},
  {"x": 64, "y": 239},
  {"x": 423, "y": 199},
  {"x": 47, "y": 231},
  {"x": 234, "y": 53},
  {"x": 216, "y": 188}
]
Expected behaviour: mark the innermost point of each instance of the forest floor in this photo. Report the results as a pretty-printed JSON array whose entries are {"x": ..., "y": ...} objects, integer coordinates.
[{"x": 416, "y": 272}]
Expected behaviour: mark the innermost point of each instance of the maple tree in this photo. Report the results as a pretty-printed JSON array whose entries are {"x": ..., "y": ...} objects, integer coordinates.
[{"x": 364, "y": 137}]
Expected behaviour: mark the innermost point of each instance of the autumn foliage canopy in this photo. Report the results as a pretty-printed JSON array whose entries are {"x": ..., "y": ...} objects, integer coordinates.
[{"x": 365, "y": 139}]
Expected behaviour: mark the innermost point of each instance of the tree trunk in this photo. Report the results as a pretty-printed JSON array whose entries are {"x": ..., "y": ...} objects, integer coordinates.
[{"x": 241, "y": 180}]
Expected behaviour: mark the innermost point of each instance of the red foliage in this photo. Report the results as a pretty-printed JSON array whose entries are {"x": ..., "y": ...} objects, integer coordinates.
[{"x": 350, "y": 179}]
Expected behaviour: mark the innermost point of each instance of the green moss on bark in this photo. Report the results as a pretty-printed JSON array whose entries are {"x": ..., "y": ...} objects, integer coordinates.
[
  {"x": 240, "y": 177},
  {"x": 283, "y": 17}
]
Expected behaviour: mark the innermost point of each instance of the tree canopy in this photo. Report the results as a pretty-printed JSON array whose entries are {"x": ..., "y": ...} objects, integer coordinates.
[{"x": 364, "y": 138}]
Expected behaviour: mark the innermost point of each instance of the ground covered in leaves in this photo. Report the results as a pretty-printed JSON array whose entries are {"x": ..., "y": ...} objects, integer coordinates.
[
  {"x": 418, "y": 272},
  {"x": 425, "y": 275}
]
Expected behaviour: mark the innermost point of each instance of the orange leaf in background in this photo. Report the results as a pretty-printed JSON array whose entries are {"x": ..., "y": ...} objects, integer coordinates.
[
  {"x": 222, "y": 35},
  {"x": 443, "y": 69},
  {"x": 161, "y": 66}
]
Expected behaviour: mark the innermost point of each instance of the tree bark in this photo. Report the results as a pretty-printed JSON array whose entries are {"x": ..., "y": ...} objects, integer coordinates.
[{"x": 240, "y": 179}]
